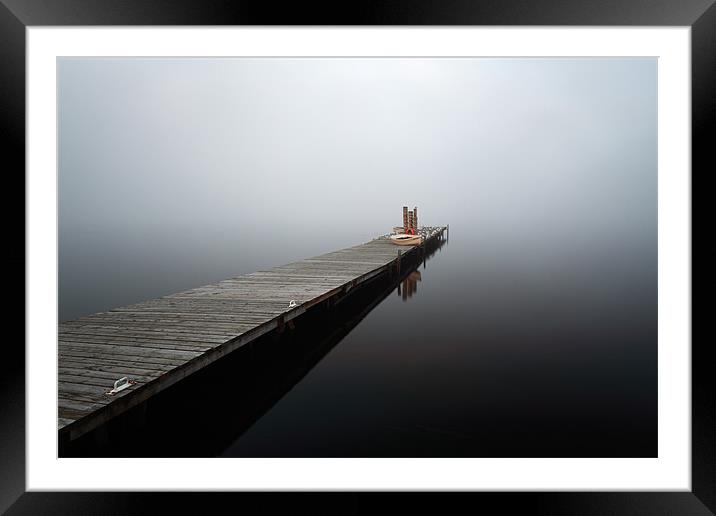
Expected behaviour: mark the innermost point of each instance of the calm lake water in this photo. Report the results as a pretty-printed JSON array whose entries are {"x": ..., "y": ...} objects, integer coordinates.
[
  {"x": 488, "y": 349},
  {"x": 496, "y": 353}
]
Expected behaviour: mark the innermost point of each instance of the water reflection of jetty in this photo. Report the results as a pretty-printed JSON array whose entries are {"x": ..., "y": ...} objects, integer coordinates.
[{"x": 409, "y": 285}]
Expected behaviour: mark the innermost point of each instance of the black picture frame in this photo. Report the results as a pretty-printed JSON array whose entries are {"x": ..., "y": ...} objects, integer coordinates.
[{"x": 16, "y": 15}]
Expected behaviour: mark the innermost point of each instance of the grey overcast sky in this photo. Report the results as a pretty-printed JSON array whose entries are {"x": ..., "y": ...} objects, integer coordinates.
[{"x": 238, "y": 149}]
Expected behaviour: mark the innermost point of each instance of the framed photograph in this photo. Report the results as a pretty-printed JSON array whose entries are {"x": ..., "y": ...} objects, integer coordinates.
[{"x": 437, "y": 250}]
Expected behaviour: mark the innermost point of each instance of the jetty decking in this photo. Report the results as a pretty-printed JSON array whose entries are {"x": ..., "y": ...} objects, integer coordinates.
[{"x": 158, "y": 342}]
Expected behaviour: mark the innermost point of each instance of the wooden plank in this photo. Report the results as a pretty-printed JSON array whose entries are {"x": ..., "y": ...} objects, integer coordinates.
[
  {"x": 115, "y": 367},
  {"x": 129, "y": 351},
  {"x": 68, "y": 374},
  {"x": 90, "y": 359},
  {"x": 122, "y": 341}
]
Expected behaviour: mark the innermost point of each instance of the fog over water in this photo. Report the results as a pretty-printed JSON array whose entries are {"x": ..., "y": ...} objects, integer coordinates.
[{"x": 175, "y": 173}]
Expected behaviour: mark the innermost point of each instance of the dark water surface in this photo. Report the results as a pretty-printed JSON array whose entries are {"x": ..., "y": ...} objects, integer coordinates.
[
  {"x": 486, "y": 349},
  {"x": 496, "y": 353}
]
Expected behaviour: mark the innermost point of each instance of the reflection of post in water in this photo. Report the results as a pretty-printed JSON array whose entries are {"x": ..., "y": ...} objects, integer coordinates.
[{"x": 410, "y": 285}]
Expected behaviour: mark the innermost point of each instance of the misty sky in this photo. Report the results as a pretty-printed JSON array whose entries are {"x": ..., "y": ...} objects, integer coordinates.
[{"x": 270, "y": 160}]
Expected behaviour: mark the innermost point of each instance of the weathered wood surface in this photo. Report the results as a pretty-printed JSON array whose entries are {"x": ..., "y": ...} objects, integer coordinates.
[{"x": 158, "y": 342}]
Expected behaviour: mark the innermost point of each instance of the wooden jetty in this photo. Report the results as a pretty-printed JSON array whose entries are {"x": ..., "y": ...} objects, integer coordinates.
[{"x": 156, "y": 343}]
